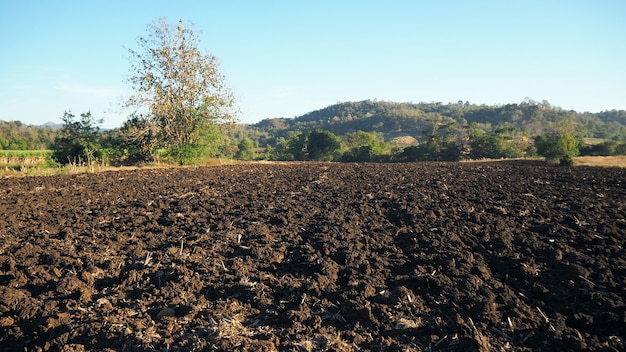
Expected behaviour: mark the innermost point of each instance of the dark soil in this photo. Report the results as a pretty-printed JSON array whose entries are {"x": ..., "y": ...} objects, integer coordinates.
[{"x": 303, "y": 257}]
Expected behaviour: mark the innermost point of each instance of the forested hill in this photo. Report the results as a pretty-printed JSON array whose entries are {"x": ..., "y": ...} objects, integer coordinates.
[
  {"x": 17, "y": 135},
  {"x": 393, "y": 119}
]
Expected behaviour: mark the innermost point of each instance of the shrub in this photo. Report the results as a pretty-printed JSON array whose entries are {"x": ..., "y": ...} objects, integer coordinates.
[{"x": 559, "y": 146}]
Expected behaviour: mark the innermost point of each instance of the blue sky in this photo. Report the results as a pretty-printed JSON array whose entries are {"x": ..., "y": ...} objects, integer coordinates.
[{"x": 287, "y": 58}]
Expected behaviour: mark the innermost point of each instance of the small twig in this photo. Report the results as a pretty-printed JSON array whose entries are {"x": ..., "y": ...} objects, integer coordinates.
[
  {"x": 530, "y": 334},
  {"x": 472, "y": 325},
  {"x": 580, "y": 223},
  {"x": 146, "y": 261},
  {"x": 440, "y": 341},
  {"x": 543, "y": 315},
  {"x": 182, "y": 241},
  {"x": 587, "y": 280}
]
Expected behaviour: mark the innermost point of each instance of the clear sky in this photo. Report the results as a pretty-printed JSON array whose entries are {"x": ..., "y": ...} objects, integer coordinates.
[{"x": 287, "y": 58}]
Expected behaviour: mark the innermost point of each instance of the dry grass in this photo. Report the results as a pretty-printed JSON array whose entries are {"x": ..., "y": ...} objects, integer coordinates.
[
  {"x": 6, "y": 171},
  {"x": 598, "y": 161},
  {"x": 232, "y": 328},
  {"x": 502, "y": 159},
  {"x": 601, "y": 161},
  {"x": 404, "y": 323}
]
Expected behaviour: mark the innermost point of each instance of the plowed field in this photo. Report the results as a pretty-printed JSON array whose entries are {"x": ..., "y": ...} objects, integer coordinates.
[{"x": 313, "y": 257}]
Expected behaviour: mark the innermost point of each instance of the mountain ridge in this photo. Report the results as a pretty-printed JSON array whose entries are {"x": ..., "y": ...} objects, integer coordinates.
[{"x": 396, "y": 119}]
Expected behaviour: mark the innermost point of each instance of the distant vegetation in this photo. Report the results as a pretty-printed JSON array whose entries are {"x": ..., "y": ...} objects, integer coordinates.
[
  {"x": 182, "y": 112},
  {"x": 376, "y": 131},
  {"x": 448, "y": 132},
  {"x": 15, "y": 135},
  {"x": 393, "y": 120}
]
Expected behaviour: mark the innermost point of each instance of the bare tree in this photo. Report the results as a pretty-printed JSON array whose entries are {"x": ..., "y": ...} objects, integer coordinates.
[{"x": 179, "y": 92}]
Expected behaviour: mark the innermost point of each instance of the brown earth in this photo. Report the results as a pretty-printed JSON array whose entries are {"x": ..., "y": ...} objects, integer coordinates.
[{"x": 301, "y": 257}]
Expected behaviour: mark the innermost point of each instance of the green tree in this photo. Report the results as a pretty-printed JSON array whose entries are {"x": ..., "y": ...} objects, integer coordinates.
[
  {"x": 322, "y": 145},
  {"x": 315, "y": 145},
  {"x": 605, "y": 148},
  {"x": 113, "y": 150},
  {"x": 78, "y": 140},
  {"x": 441, "y": 143},
  {"x": 281, "y": 151},
  {"x": 560, "y": 145},
  {"x": 179, "y": 89},
  {"x": 4, "y": 143},
  {"x": 210, "y": 142},
  {"x": 363, "y": 146},
  {"x": 297, "y": 146},
  {"x": 495, "y": 144},
  {"x": 140, "y": 138},
  {"x": 244, "y": 149},
  {"x": 18, "y": 143}
]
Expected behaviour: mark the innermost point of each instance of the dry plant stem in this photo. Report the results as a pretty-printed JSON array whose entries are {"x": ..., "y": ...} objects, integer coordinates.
[
  {"x": 146, "y": 262},
  {"x": 586, "y": 280},
  {"x": 440, "y": 341},
  {"x": 472, "y": 325},
  {"x": 543, "y": 315}
]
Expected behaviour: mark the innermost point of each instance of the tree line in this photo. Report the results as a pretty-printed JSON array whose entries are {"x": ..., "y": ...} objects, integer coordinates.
[
  {"x": 81, "y": 141},
  {"x": 15, "y": 135},
  {"x": 448, "y": 143}
]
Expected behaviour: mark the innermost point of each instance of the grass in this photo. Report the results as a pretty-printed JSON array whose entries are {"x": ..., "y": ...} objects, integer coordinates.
[
  {"x": 601, "y": 161},
  {"x": 594, "y": 141},
  {"x": 38, "y": 165},
  {"x": 595, "y": 161},
  {"x": 25, "y": 153},
  {"x": 25, "y": 162}
]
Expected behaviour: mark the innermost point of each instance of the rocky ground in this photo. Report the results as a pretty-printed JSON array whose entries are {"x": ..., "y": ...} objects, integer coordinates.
[{"x": 510, "y": 256}]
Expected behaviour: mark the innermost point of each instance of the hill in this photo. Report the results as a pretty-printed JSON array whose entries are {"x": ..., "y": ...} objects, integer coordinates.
[
  {"x": 393, "y": 119},
  {"x": 15, "y": 135},
  {"x": 52, "y": 125}
]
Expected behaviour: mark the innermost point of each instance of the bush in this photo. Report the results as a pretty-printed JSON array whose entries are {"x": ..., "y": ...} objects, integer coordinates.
[
  {"x": 434, "y": 149},
  {"x": 77, "y": 142},
  {"x": 322, "y": 145},
  {"x": 559, "y": 146}
]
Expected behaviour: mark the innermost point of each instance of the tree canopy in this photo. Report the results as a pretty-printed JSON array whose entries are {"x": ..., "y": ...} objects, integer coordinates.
[
  {"x": 393, "y": 119},
  {"x": 78, "y": 140},
  {"x": 560, "y": 145},
  {"x": 179, "y": 92}
]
